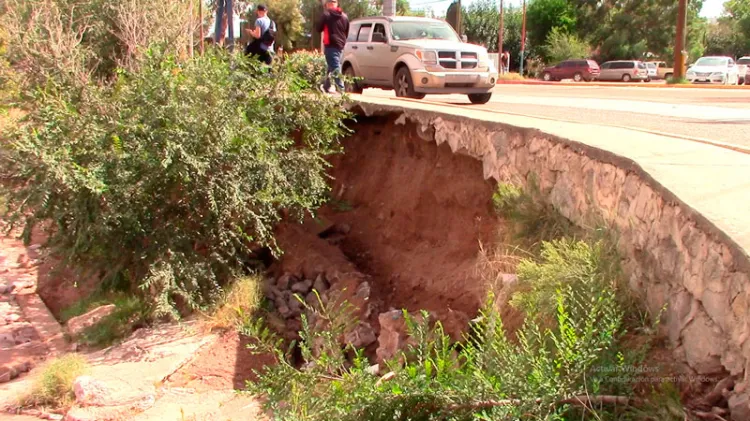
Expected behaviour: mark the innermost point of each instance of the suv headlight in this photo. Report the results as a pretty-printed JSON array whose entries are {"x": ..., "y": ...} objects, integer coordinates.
[{"x": 427, "y": 56}]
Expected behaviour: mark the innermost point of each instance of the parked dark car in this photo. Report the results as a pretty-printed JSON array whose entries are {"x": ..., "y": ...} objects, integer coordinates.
[{"x": 577, "y": 70}]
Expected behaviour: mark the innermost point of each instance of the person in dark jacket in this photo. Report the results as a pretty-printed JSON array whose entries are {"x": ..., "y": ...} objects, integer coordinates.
[{"x": 334, "y": 24}]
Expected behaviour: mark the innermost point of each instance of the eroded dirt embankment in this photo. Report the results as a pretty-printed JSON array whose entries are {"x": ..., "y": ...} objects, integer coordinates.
[{"x": 413, "y": 217}]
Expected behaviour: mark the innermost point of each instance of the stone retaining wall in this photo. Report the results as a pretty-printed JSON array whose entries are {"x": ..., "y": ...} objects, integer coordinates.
[{"x": 671, "y": 254}]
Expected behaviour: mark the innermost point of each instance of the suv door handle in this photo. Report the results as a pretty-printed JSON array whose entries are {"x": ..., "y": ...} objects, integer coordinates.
[
  {"x": 354, "y": 47},
  {"x": 370, "y": 47}
]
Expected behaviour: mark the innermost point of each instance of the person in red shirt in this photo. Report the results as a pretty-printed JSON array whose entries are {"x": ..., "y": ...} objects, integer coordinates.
[{"x": 334, "y": 24}]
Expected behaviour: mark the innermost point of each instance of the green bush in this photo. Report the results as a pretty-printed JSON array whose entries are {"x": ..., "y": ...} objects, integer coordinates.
[
  {"x": 311, "y": 65},
  {"x": 489, "y": 376},
  {"x": 168, "y": 176}
]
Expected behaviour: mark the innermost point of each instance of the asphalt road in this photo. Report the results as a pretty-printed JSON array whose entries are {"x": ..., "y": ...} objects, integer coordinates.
[{"x": 707, "y": 114}]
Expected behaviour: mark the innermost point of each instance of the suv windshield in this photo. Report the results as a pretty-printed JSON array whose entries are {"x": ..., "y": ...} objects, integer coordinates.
[
  {"x": 711, "y": 61},
  {"x": 405, "y": 30},
  {"x": 743, "y": 61},
  {"x": 651, "y": 65}
]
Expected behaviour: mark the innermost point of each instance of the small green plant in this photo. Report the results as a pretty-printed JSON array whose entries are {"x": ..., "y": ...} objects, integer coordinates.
[
  {"x": 52, "y": 385},
  {"x": 239, "y": 304},
  {"x": 129, "y": 313},
  {"x": 532, "y": 219},
  {"x": 675, "y": 81},
  {"x": 97, "y": 299},
  {"x": 535, "y": 376}
]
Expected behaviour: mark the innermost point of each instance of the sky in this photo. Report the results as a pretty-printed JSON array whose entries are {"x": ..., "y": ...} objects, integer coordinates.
[{"x": 711, "y": 8}]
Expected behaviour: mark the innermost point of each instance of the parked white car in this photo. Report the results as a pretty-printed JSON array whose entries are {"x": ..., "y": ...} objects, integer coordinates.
[
  {"x": 653, "y": 71},
  {"x": 721, "y": 70},
  {"x": 416, "y": 56},
  {"x": 742, "y": 64}
]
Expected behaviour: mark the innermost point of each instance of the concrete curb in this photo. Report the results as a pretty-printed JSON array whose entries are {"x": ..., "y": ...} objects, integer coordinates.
[{"x": 533, "y": 82}]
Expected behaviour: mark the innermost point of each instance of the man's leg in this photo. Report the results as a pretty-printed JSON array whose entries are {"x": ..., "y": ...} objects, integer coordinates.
[
  {"x": 330, "y": 66},
  {"x": 336, "y": 71}
]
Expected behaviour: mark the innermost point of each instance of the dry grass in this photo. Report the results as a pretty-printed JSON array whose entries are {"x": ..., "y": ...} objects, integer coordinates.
[
  {"x": 238, "y": 305},
  {"x": 510, "y": 76},
  {"x": 53, "y": 383}
]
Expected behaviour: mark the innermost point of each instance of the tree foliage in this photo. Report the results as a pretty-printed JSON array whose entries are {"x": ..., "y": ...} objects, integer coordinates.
[
  {"x": 562, "y": 46},
  {"x": 481, "y": 23},
  {"x": 730, "y": 34},
  {"x": 289, "y": 21},
  {"x": 545, "y": 15}
]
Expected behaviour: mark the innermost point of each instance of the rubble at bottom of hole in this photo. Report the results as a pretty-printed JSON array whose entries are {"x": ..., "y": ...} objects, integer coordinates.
[{"x": 292, "y": 296}]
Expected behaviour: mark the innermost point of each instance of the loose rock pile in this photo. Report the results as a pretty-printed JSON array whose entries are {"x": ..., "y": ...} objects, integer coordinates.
[{"x": 294, "y": 295}]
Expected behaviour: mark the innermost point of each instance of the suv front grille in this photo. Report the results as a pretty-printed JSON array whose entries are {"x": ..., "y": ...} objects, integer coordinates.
[{"x": 457, "y": 60}]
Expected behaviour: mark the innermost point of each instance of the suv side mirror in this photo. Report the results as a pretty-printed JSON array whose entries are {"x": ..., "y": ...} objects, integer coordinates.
[
  {"x": 378, "y": 37},
  {"x": 464, "y": 38}
]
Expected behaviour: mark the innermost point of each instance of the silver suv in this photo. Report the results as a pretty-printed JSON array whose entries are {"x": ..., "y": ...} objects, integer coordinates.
[{"x": 416, "y": 56}]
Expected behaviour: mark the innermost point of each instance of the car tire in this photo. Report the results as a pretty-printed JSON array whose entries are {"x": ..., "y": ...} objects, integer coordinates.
[
  {"x": 352, "y": 87},
  {"x": 547, "y": 77},
  {"x": 667, "y": 76},
  {"x": 648, "y": 79},
  {"x": 578, "y": 77},
  {"x": 741, "y": 81},
  {"x": 404, "y": 86},
  {"x": 480, "y": 98},
  {"x": 626, "y": 78}
]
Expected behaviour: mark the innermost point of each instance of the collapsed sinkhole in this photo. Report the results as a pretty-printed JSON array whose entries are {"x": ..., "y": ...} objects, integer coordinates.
[{"x": 403, "y": 230}]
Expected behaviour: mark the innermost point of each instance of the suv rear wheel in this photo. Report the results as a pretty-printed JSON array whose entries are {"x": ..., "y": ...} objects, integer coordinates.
[
  {"x": 351, "y": 86},
  {"x": 404, "y": 86},
  {"x": 626, "y": 78},
  {"x": 577, "y": 77},
  {"x": 480, "y": 98}
]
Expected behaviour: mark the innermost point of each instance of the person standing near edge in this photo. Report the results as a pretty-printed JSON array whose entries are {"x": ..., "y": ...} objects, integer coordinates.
[
  {"x": 263, "y": 34},
  {"x": 334, "y": 24}
]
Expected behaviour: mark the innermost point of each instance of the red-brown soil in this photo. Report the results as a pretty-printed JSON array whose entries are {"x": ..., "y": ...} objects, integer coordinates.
[
  {"x": 227, "y": 364},
  {"x": 418, "y": 215}
]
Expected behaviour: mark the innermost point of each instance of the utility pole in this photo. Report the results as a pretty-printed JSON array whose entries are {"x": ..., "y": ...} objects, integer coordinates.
[
  {"x": 679, "y": 43},
  {"x": 500, "y": 36},
  {"x": 523, "y": 37}
]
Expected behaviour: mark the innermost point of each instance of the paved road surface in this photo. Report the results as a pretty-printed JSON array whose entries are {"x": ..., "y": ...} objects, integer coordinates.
[{"x": 712, "y": 114}]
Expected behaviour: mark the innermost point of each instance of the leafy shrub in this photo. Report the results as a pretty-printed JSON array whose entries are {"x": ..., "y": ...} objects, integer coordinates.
[
  {"x": 311, "y": 65},
  {"x": 532, "y": 219},
  {"x": 168, "y": 177},
  {"x": 129, "y": 314},
  {"x": 53, "y": 384},
  {"x": 564, "y": 263},
  {"x": 489, "y": 376}
]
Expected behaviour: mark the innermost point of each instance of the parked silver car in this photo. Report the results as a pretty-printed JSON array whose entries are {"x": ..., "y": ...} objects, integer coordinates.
[
  {"x": 624, "y": 70},
  {"x": 416, "y": 56}
]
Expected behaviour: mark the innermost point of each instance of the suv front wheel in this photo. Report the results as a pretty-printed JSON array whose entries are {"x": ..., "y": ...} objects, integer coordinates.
[
  {"x": 352, "y": 86},
  {"x": 480, "y": 98},
  {"x": 404, "y": 86}
]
